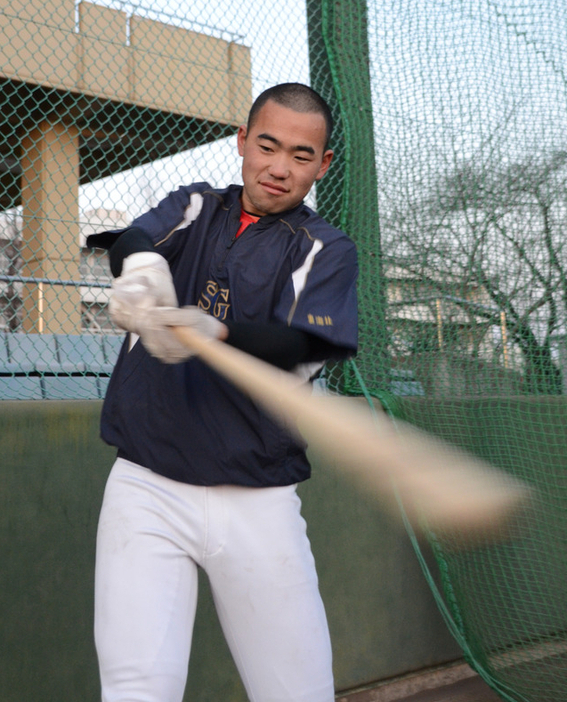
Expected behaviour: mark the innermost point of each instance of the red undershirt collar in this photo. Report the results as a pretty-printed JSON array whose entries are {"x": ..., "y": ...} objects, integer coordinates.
[{"x": 245, "y": 220}]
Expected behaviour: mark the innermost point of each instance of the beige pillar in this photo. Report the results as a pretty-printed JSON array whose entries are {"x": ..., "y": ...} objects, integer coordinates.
[{"x": 50, "y": 246}]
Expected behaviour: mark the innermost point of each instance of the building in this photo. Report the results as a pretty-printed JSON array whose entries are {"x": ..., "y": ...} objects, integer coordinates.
[
  {"x": 446, "y": 335},
  {"x": 94, "y": 272},
  {"x": 87, "y": 92}
]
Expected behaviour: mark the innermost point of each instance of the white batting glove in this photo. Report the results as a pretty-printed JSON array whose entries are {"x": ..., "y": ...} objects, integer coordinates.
[
  {"x": 145, "y": 282},
  {"x": 160, "y": 341}
]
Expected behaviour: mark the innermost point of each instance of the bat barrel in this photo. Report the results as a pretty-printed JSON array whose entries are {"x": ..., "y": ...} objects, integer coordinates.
[{"x": 438, "y": 484}]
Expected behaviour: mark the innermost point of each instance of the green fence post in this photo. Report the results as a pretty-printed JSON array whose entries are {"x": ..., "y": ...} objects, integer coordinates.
[{"x": 348, "y": 196}]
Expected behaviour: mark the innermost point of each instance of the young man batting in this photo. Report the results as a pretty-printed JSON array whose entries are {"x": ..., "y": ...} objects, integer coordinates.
[{"x": 203, "y": 477}]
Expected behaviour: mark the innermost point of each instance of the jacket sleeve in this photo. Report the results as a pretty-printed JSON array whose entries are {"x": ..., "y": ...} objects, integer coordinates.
[
  {"x": 176, "y": 211},
  {"x": 321, "y": 296}
]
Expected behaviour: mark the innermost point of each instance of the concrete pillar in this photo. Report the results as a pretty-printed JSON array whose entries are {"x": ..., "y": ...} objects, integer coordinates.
[{"x": 50, "y": 246}]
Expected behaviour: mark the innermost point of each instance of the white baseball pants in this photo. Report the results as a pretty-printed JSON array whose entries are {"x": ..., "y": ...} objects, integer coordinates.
[{"x": 153, "y": 533}]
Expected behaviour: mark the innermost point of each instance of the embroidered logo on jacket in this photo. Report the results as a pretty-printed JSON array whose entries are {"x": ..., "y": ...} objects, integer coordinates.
[{"x": 214, "y": 300}]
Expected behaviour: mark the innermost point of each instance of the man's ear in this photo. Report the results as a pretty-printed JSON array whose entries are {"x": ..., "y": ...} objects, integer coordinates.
[
  {"x": 325, "y": 163},
  {"x": 241, "y": 138}
]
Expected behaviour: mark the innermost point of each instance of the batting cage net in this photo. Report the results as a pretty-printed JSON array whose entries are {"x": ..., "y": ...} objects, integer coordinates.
[{"x": 450, "y": 173}]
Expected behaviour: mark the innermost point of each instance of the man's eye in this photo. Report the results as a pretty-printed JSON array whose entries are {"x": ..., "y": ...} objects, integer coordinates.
[{"x": 264, "y": 148}]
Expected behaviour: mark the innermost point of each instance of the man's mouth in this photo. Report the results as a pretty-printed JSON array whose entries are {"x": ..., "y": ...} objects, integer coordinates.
[{"x": 273, "y": 188}]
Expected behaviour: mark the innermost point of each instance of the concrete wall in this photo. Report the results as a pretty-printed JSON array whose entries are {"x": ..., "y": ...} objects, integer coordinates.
[
  {"x": 53, "y": 468},
  {"x": 158, "y": 65}
]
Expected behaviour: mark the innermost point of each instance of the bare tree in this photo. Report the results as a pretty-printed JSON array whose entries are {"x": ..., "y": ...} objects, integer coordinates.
[{"x": 500, "y": 227}]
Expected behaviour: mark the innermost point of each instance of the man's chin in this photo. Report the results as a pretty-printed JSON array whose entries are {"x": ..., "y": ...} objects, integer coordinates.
[
  {"x": 274, "y": 208},
  {"x": 263, "y": 206}
]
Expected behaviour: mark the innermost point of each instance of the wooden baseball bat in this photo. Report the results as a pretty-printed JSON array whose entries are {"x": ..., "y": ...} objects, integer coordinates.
[{"x": 438, "y": 484}]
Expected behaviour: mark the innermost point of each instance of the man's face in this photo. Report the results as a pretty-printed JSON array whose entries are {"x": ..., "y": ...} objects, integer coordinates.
[{"x": 283, "y": 155}]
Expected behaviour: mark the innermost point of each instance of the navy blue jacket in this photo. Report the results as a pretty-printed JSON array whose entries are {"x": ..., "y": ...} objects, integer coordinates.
[{"x": 186, "y": 422}]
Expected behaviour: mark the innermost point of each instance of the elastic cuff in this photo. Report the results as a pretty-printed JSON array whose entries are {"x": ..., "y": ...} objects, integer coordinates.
[{"x": 131, "y": 241}]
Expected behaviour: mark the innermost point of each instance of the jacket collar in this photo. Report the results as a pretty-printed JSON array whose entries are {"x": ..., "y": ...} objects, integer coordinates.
[{"x": 233, "y": 201}]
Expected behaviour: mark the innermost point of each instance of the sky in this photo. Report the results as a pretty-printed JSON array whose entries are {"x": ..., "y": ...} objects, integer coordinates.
[{"x": 457, "y": 79}]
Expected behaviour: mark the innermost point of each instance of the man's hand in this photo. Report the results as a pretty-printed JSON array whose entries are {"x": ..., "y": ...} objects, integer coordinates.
[
  {"x": 144, "y": 302},
  {"x": 145, "y": 282},
  {"x": 158, "y": 338}
]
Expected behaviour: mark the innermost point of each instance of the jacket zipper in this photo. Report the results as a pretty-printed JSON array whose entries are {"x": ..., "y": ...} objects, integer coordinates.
[
  {"x": 230, "y": 244},
  {"x": 226, "y": 252}
]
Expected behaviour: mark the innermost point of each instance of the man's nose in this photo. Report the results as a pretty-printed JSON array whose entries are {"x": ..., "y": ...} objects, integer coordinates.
[{"x": 279, "y": 167}]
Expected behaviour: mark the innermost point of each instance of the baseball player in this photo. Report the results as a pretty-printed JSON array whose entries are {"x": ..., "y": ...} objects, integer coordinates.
[{"x": 203, "y": 477}]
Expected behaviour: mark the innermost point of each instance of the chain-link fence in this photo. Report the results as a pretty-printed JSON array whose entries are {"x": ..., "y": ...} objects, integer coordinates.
[
  {"x": 450, "y": 174},
  {"x": 106, "y": 107}
]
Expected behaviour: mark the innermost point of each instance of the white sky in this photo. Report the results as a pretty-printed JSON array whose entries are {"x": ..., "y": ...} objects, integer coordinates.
[{"x": 455, "y": 80}]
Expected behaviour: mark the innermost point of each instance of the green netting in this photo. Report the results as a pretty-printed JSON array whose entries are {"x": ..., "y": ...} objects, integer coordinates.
[
  {"x": 504, "y": 597},
  {"x": 469, "y": 126},
  {"x": 450, "y": 174}
]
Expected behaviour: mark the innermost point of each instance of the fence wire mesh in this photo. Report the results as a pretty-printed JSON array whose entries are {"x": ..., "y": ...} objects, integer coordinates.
[
  {"x": 105, "y": 108},
  {"x": 450, "y": 174}
]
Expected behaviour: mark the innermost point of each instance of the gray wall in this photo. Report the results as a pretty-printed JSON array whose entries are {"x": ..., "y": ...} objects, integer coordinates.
[{"x": 383, "y": 619}]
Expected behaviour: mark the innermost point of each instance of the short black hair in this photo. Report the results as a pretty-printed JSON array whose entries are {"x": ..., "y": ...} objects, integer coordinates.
[{"x": 298, "y": 97}]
